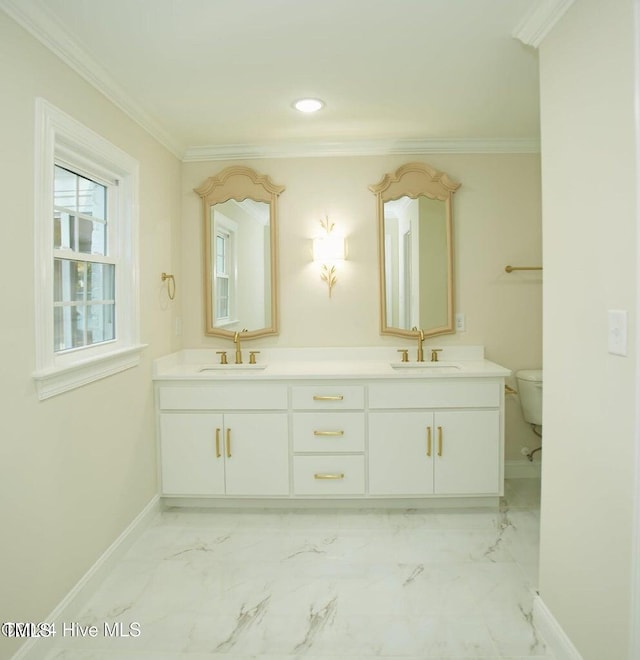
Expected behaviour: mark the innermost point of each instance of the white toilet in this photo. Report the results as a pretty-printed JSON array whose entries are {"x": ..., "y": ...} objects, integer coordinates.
[{"x": 530, "y": 393}]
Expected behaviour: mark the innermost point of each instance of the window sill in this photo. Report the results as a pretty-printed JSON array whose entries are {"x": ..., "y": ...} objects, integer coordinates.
[
  {"x": 224, "y": 324},
  {"x": 57, "y": 380}
]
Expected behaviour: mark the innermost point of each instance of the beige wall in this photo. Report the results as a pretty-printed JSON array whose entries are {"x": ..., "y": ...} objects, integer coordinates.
[
  {"x": 589, "y": 211},
  {"x": 75, "y": 469},
  {"x": 496, "y": 222}
]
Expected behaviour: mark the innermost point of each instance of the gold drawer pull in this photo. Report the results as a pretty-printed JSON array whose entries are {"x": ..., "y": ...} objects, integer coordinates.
[
  {"x": 217, "y": 443},
  {"x": 439, "y": 440},
  {"x": 328, "y": 433},
  {"x": 228, "y": 443},
  {"x": 337, "y": 475},
  {"x": 328, "y": 397},
  {"x": 428, "y": 441}
]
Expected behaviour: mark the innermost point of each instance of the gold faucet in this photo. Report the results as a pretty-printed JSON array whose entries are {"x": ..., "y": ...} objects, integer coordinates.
[
  {"x": 420, "y": 340},
  {"x": 236, "y": 341}
]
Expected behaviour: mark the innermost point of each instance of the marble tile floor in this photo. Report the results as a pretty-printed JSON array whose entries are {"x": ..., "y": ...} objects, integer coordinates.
[{"x": 319, "y": 585}]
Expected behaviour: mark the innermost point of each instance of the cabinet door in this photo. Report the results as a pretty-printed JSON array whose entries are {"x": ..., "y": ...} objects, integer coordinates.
[
  {"x": 401, "y": 450},
  {"x": 257, "y": 454},
  {"x": 469, "y": 462},
  {"x": 189, "y": 462}
]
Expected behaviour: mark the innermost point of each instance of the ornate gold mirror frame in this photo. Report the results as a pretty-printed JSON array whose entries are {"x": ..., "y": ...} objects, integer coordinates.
[
  {"x": 255, "y": 194},
  {"x": 416, "y": 275}
]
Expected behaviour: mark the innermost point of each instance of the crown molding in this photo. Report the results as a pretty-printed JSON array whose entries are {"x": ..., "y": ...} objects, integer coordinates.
[
  {"x": 37, "y": 20},
  {"x": 535, "y": 26},
  {"x": 325, "y": 149}
]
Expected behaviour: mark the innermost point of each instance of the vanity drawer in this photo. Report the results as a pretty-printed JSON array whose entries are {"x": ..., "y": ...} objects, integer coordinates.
[
  {"x": 231, "y": 396},
  {"x": 328, "y": 475},
  {"x": 328, "y": 397},
  {"x": 330, "y": 432},
  {"x": 456, "y": 393}
]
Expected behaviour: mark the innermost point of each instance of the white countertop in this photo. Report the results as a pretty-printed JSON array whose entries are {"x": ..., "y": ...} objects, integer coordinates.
[{"x": 326, "y": 363}]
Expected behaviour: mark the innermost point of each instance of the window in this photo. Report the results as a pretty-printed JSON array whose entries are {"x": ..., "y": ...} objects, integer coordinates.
[
  {"x": 224, "y": 245},
  {"x": 223, "y": 307},
  {"x": 86, "y": 258},
  {"x": 83, "y": 268}
]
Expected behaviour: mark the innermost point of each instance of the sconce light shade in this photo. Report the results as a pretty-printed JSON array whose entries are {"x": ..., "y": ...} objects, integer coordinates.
[{"x": 328, "y": 248}]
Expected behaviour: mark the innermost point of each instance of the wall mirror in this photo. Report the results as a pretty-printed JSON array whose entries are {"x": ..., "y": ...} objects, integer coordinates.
[
  {"x": 415, "y": 248},
  {"x": 240, "y": 253}
]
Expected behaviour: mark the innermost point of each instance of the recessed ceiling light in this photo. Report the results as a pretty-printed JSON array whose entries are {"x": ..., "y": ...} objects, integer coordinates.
[{"x": 308, "y": 105}]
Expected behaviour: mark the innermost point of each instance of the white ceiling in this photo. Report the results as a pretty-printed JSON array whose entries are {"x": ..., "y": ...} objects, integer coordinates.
[{"x": 222, "y": 74}]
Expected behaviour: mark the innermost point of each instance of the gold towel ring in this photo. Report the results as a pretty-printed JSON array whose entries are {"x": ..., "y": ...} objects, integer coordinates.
[{"x": 171, "y": 285}]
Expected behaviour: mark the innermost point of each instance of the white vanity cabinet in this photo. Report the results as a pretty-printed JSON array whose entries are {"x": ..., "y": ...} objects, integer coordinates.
[
  {"x": 331, "y": 431},
  {"x": 328, "y": 440},
  {"x": 454, "y": 449},
  {"x": 443, "y": 453},
  {"x": 240, "y": 453}
]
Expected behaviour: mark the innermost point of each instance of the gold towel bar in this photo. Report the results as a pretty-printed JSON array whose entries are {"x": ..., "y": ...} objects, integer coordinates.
[
  {"x": 509, "y": 390},
  {"x": 510, "y": 269}
]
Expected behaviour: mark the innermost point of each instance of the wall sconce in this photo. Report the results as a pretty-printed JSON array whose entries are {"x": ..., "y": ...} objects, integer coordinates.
[{"x": 327, "y": 250}]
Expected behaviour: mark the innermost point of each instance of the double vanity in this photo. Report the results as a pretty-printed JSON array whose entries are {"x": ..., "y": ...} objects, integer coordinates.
[
  {"x": 323, "y": 424},
  {"x": 354, "y": 424}
]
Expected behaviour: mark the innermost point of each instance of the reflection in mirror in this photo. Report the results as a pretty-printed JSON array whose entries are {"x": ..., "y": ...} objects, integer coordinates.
[
  {"x": 240, "y": 216},
  {"x": 416, "y": 251}
]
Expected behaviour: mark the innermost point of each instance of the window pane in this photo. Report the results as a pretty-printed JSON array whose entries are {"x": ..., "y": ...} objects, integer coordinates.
[
  {"x": 65, "y": 189},
  {"x": 101, "y": 323},
  {"x": 92, "y": 198},
  {"x": 92, "y": 237},
  {"x": 68, "y": 327},
  {"x": 64, "y": 231},
  {"x": 78, "y": 325},
  {"x": 221, "y": 254},
  {"x": 100, "y": 281},
  {"x": 77, "y": 193},
  {"x": 222, "y": 298},
  {"x": 68, "y": 280}
]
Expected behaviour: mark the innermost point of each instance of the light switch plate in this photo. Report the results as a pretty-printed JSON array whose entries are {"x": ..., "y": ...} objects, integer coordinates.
[
  {"x": 460, "y": 322},
  {"x": 617, "y": 334}
]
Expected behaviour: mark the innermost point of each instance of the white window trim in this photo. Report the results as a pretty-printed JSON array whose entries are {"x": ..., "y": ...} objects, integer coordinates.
[{"x": 59, "y": 135}]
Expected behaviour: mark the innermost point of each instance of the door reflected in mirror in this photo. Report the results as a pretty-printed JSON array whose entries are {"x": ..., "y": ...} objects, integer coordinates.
[
  {"x": 240, "y": 269},
  {"x": 416, "y": 251},
  {"x": 416, "y": 263}
]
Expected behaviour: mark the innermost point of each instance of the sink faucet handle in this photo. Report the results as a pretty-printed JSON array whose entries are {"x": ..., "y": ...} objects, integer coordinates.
[
  {"x": 223, "y": 356},
  {"x": 434, "y": 354},
  {"x": 405, "y": 354},
  {"x": 252, "y": 356}
]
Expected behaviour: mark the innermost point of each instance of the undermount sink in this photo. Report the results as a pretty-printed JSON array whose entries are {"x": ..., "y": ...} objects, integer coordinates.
[
  {"x": 233, "y": 367},
  {"x": 425, "y": 366}
]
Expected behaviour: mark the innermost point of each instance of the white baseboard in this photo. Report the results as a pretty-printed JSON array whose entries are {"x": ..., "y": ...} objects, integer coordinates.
[
  {"x": 74, "y": 601},
  {"x": 522, "y": 469},
  {"x": 552, "y": 632}
]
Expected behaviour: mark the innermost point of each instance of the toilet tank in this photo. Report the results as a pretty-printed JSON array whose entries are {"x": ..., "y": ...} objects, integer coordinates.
[{"x": 530, "y": 392}]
